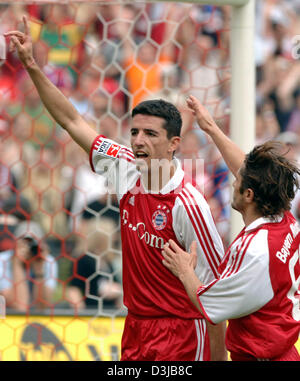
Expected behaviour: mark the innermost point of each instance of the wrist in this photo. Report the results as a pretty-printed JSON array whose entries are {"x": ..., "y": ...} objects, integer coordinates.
[
  {"x": 189, "y": 280},
  {"x": 212, "y": 129},
  {"x": 186, "y": 275},
  {"x": 29, "y": 63}
]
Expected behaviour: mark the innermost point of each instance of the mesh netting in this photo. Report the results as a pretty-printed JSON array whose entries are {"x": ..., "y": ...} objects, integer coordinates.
[{"x": 105, "y": 58}]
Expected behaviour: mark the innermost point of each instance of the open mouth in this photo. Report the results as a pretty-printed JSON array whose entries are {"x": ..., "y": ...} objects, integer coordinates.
[{"x": 141, "y": 155}]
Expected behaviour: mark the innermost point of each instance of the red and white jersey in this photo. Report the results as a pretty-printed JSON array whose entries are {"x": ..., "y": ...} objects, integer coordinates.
[
  {"x": 148, "y": 221},
  {"x": 258, "y": 289}
]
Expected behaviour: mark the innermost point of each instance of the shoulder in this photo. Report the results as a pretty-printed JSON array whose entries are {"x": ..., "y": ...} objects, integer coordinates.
[
  {"x": 256, "y": 243},
  {"x": 280, "y": 230},
  {"x": 190, "y": 205},
  {"x": 189, "y": 196},
  {"x": 248, "y": 251}
]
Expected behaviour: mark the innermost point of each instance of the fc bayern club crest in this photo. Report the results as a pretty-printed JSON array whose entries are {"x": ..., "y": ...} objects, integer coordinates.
[{"x": 160, "y": 217}]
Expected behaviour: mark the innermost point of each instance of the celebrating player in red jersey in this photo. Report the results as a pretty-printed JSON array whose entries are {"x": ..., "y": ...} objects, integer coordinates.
[
  {"x": 258, "y": 289},
  {"x": 156, "y": 203}
]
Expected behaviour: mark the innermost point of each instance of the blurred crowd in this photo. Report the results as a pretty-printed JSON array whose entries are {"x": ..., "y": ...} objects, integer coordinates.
[{"x": 106, "y": 58}]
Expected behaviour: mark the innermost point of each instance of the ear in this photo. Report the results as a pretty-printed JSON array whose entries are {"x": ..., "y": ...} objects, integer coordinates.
[
  {"x": 249, "y": 195},
  {"x": 174, "y": 143}
]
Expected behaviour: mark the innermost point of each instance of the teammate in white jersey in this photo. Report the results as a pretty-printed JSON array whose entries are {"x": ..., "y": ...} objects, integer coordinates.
[
  {"x": 156, "y": 202},
  {"x": 259, "y": 286}
]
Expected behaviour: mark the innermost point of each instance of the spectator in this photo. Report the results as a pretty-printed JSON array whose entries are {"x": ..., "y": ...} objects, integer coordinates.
[
  {"x": 60, "y": 33},
  {"x": 142, "y": 70},
  {"x": 199, "y": 59},
  {"x": 15, "y": 209},
  {"x": 294, "y": 122},
  {"x": 28, "y": 274},
  {"x": 42, "y": 125},
  {"x": 8, "y": 181},
  {"x": 87, "y": 83},
  {"x": 277, "y": 72},
  {"x": 291, "y": 147},
  {"x": 267, "y": 126},
  {"x": 191, "y": 154},
  {"x": 44, "y": 188},
  {"x": 96, "y": 280},
  {"x": 171, "y": 91}
]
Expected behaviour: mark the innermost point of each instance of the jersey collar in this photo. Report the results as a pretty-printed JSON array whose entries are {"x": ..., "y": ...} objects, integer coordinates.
[
  {"x": 175, "y": 180},
  {"x": 262, "y": 221}
]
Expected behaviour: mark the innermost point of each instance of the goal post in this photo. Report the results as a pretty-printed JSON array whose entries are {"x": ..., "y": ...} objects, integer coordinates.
[{"x": 242, "y": 118}]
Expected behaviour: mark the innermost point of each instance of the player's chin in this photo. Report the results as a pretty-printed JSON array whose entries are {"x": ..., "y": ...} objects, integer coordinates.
[{"x": 235, "y": 206}]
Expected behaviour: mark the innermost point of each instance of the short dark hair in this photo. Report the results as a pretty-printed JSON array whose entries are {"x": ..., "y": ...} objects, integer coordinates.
[
  {"x": 164, "y": 110},
  {"x": 272, "y": 177}
]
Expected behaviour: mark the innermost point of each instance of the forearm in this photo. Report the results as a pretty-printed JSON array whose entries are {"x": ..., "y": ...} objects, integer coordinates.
[
  {"x": 216, "y": 335},
  {"x": 231, "y": 153},
  {"x": 191, "y": 284},
  {"x": 20, "y": 296},
  {"x": 216, "y": 332},
  {"x": 55, "y": 102},
  {"x": 61, "y": 109}
]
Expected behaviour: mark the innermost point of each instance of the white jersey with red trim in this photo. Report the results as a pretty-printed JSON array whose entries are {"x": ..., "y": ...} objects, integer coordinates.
[
  {"x": 148, "y": 221},
  {"x": 258, "y": 289}
]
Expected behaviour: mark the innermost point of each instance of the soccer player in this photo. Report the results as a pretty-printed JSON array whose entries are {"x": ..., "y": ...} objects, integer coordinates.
[
  {"x": 258, "y": 289},
  {"x": 156, "y": 202}
]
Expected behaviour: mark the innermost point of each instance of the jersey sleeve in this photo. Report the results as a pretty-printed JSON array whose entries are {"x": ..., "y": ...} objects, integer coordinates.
[
  {"x": 192, "y": 221},
  {"x": 244, "y": 286},
  {"x": 115, "y": 162}
]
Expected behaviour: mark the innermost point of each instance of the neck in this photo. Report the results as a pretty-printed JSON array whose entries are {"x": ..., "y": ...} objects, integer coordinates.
[
  {"x": 156, "y": 178},
  {"x": 249, "y": 216}
]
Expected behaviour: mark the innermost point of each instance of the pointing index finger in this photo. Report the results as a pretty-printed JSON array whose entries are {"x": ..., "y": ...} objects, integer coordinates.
[{"x": 26, "y": 29}]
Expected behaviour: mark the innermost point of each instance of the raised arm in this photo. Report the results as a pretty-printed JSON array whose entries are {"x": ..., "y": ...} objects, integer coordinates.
[
  {"x": 56, "y": 103},
  {"x": 232, "y": 154}
]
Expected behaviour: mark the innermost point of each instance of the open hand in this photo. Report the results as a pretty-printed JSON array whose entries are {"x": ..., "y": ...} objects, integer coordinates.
[
  {"x": 203, "y": 117},
  {"x": 178, "y": 261}
]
